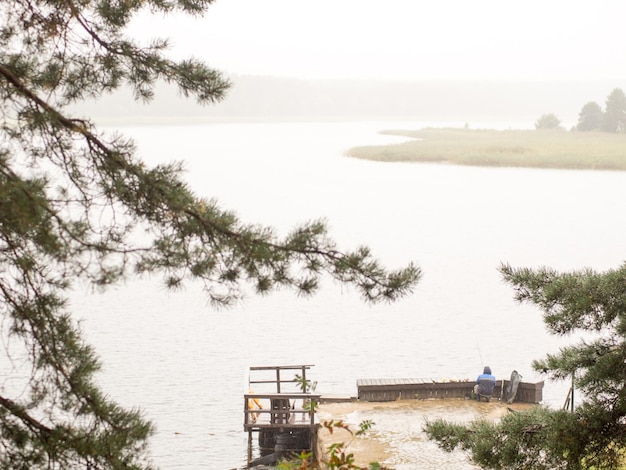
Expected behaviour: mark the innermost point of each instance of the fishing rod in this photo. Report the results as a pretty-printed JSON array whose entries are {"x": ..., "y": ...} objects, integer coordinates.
[{"x": 482, "y": 363}]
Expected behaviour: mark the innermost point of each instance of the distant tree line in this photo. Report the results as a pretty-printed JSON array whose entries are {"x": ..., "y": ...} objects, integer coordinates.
[{"x": 593, "y": 118}]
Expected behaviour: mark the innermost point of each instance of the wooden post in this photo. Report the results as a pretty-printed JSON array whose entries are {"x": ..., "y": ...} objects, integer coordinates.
[{"x": 249, "y": 446}]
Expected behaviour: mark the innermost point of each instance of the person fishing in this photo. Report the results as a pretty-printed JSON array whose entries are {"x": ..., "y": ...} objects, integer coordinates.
[{"x": 485, "y": 383}]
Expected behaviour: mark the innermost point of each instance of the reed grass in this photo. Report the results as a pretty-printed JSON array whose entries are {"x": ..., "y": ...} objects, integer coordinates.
[{"x": 506, "y": 148}]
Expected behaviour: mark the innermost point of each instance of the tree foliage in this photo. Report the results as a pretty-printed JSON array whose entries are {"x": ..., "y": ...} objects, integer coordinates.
[
  {"x": 590, "y": 117},
  {"x": 582, "y": 302},
  {"x": 615, "y": 112},
  {"x": 548, "y": 121},
  {"x": 77, "y": 205},
  {"x": 518, "y": 441}
]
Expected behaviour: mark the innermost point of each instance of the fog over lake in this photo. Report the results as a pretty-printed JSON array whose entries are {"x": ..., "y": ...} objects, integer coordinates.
[
  {"x": 185, "y": 364},
  {"x": 308, "y": 80}
]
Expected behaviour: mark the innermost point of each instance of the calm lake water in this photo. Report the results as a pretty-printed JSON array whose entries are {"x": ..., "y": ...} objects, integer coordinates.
[{"x": 185, "y": 364}]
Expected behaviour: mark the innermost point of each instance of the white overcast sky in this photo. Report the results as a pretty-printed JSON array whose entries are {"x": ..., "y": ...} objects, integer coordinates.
[{"x": 406, "y": 39}]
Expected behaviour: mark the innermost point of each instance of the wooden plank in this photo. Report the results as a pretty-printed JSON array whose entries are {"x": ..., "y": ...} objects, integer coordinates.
[
  {"x": 257, "y": 426},
  {"x": 273, "y": 381},
  {"x": 333, "y": 398},
  {"x": 393, "y": 381},
  {"x": 295, "y": 395},
  {"x": 406, "y": 388},
  {"x": 291, "y": 367}
]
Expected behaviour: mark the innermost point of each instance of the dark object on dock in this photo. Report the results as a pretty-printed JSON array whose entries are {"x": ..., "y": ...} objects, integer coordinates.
[
  {"x": 286, "y": 444},
  {"x": 511, "y": 388},
  {"x": 421, "y": 389},
  {"x": 266, "y": 460}
]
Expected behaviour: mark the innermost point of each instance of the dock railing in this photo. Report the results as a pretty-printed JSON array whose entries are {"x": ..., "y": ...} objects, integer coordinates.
[
  {"x": 285, "y": 398},
  {"x": 278, "y": 410},
  {"x": 277, "y": 376}
]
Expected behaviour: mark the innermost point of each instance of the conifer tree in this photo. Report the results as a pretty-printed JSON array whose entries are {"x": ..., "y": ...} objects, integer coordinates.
[
  {"x": 593, "y": 306},
  {"x": 590, "y": 117},
  {"x": 77, "y": 205},
  {"x": 615, "y": 112}
]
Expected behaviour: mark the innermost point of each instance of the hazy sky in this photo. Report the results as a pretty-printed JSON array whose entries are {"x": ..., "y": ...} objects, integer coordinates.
[{"x": 406, "y": 39}]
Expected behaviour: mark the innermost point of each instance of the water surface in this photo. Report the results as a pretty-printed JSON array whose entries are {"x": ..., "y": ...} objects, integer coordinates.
[{"x": 184, "y": 364}]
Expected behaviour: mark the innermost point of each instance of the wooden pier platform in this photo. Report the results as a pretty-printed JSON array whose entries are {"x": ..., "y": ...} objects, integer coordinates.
[
  {"x": 422, "y": 389},
  {"x": 282, "y": 413}
]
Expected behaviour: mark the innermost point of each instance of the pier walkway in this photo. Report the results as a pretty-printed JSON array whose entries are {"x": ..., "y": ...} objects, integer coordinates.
[{"x": 421, "y": 389}]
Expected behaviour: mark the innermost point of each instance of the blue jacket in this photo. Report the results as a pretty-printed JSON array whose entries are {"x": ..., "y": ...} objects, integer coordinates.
[{"x": 486, "y": 383}]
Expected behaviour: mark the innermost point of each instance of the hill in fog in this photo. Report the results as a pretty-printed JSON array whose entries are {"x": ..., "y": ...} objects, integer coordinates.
[{"x": 255, "y": 97}]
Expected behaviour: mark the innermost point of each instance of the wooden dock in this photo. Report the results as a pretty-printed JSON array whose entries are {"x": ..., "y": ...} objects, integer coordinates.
[
  {"x": 422, "y": 389},
  {"x": 282, "y": 411}
]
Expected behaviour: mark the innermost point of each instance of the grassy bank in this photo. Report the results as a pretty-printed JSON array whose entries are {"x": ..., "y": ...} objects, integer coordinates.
[{"x": 508, "y": 148}]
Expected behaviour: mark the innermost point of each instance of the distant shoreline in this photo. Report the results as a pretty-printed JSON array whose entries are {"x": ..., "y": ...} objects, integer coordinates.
[
  {"x": 548, "y": 149},
  {"x": 142, "y": 120},
  {"x": 262, "y": 97},
  {"x": 509, "y": 147}
]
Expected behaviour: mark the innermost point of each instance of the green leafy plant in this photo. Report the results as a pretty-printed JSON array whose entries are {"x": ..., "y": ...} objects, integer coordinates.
[
  {"x": 339, "y": 458},
  {"x": 307, "y": 386}
]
